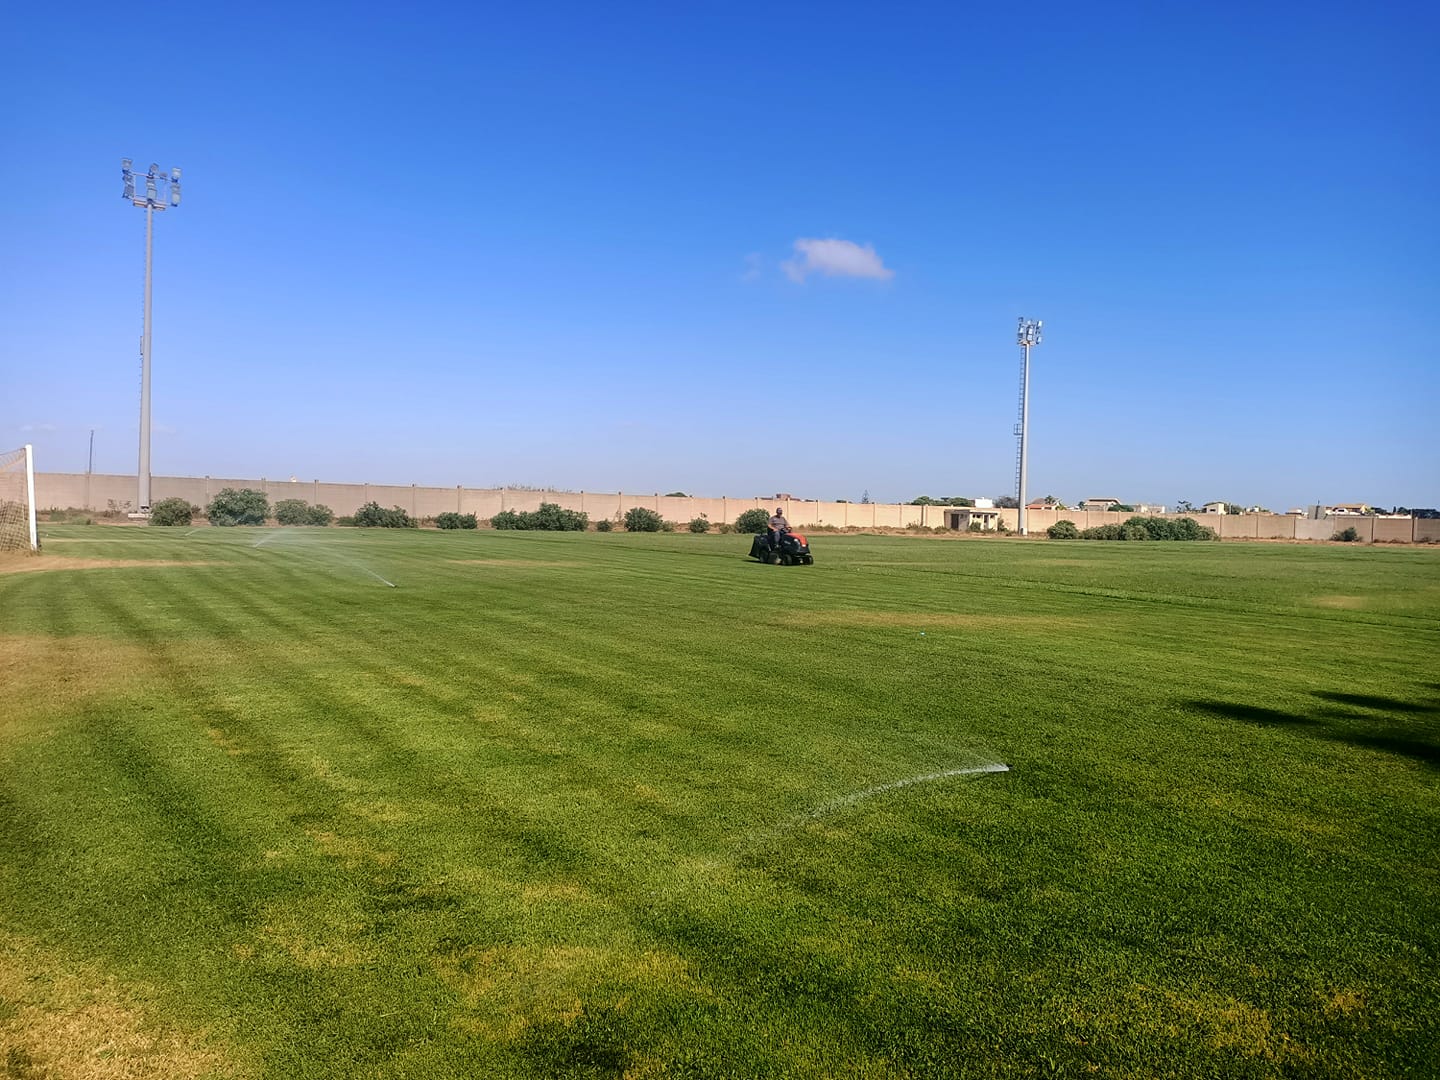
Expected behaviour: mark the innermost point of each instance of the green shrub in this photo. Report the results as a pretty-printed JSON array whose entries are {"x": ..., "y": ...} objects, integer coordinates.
[
  {"x": 299, "y": 512},
  {"x": 1158, "y": 528},
  {"x": 700, "y": 524},
  {"x": 1347, "y": 536},
  {"x": 667, "y": 526},
  {"x": 1151, "y": 528},
  {"x": 752, "y": 521},
  {"x": 552, "y": 517},
  {"x": 604, "y": 525},
  {"x": 346, "y": 521},
  {"x": 640, "y": 519},
  {"x": 453, "y": 520},
  {"x": 172, "y": 512},
  {"x": 292, "y": 512},
  {"x": 244, "y": 507},
  {"x": 1190, "y": 529},
  {"x": 1063, "y": 530},
  {"x": 373, "y": 516},
  {"x": 726, "y": 528},
  {"x": 506, "y": 519}
]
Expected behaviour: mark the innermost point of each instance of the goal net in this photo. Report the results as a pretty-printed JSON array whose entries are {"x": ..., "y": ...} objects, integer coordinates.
[{"x": 17, "y": 500}]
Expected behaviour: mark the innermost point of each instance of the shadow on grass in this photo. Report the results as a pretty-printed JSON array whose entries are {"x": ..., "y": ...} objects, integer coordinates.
[
  {"x": 1374, "y": 701},
  {"x": 1390, "y": 725}
]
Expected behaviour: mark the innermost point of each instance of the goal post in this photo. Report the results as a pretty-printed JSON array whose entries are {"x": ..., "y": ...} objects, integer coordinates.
[{"x": 17, "y": 500}]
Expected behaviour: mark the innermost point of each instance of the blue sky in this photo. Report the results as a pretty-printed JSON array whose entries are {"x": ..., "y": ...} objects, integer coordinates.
[{"x": 557, "y": 245}]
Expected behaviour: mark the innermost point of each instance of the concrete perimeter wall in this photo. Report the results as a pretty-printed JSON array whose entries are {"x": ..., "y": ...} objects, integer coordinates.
[{"x": 103, "y": 491}]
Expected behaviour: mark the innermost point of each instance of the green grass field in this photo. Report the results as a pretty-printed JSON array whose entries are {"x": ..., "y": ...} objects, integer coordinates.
[{"x": 606, "y": 805}]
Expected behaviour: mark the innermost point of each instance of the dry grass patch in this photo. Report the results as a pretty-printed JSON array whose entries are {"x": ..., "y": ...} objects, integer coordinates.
[
  {"x": 1344, "y": 1003},
  {"x": 382, "y": 811},
  {"x": 1224, "y": 1023},
  {"x": 1345, "y": 603},
  {"x": 26, "y": 564},
  {"x": 515, "y": 988},
  {"x": 47, "y": 673},
  {"x": 66, "y": 1020},
  {"x": 229, "y": 745},
  {"x": 312, "y": 932},
  {"x": 351, "y": 852}
]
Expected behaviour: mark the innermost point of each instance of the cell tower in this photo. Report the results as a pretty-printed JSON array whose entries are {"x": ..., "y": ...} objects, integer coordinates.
[
  {"x": 162, "y": 190},
  {"x": 1026, "y": 335}
]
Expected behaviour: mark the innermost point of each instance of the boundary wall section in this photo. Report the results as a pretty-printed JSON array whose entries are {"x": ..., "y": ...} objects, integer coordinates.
[{"x": 103, "y": 491}]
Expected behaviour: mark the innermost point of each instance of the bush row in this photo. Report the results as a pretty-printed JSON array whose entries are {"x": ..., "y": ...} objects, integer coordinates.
[
  {"x": 299, "y": 512},
  {"x": 246, "y": 506},
  {"x": 551, "y": 517},
  {"x": 1135, "y": 528},
  {"x": 453, "y": 520}
]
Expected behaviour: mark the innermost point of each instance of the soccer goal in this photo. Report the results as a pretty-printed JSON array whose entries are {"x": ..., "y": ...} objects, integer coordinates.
[{"x": 17, "y": 500}]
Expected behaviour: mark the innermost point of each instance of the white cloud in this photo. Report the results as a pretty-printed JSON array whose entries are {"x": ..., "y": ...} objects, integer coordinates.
[
  {"x": 835, "y": 258},
  {"x": 754, "y": 267},
  {"x": 38, "y": 427}
]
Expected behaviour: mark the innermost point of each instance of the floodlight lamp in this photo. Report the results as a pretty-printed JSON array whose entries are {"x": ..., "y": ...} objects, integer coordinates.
[
  {"x": 174, "y": 194},
  {"x": 125, "y": 164},
  {"x": 175, "y": 175}
]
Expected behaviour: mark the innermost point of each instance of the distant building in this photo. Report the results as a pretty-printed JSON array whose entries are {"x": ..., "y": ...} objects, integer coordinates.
[
  {"x": 1215, "y": 508},
  {"x": 1149, "y": 508},
  {"x": 1347, "y": 510},
  {"x": 1099, "y": 504},
  {"x": 984, "y": 504},
  {"x": 962, "y": 518}
]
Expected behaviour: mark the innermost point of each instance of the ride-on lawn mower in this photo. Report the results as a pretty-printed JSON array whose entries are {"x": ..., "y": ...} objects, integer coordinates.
[{"x": 792, "y": 550}]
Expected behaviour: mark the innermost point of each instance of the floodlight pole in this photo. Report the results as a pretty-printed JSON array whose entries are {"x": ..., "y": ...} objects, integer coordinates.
[
  {"x": 152, "y": 201},
  {"x": 1026, "y": 335}
]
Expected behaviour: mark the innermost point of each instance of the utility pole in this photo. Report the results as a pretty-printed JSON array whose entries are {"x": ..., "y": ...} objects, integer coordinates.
[
  {"x": 152, "y": 200},
  {"x": 1026, "y": 335}
]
